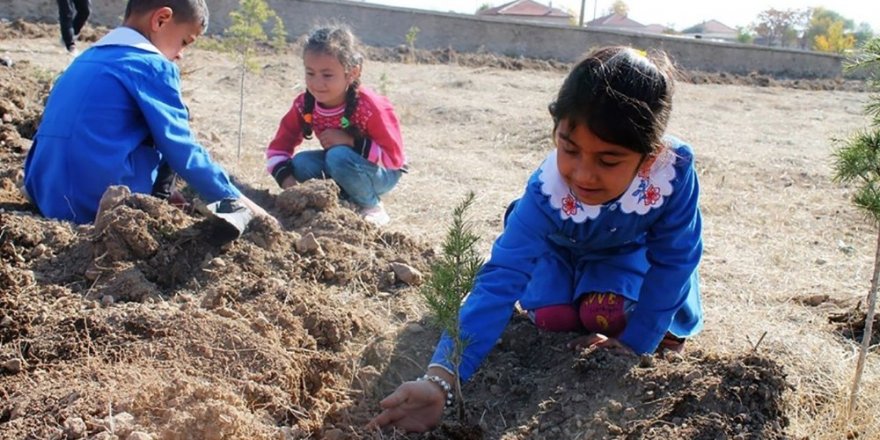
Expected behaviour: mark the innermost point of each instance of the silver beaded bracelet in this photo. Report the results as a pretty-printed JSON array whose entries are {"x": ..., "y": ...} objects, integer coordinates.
[{"x": 450, "y": 398}]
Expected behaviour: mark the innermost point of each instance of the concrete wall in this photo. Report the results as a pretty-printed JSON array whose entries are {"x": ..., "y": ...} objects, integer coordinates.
[{"x": 387, "y": 26}]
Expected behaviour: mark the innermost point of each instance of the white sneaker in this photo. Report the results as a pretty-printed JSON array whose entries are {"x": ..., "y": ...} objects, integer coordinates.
[{"x": 376, "y": 215}]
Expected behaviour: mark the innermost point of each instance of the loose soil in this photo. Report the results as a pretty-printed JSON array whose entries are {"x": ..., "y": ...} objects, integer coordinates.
[{"x": 143, "y": 324}]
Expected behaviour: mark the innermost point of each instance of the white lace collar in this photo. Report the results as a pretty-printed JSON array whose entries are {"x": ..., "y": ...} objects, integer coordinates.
[
  {"x": 648, "y": 190},
  {"x": 125, "y": 36}
]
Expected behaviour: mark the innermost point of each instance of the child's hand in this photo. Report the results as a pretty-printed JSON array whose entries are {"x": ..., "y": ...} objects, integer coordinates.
[
  {"x": 257, "y": 209},
  {"x": 288, "y": 182},
  {"x": 598, "y": 340},
  {"x": 333, "y": 137},
  {"x": 415, "y": 406}
]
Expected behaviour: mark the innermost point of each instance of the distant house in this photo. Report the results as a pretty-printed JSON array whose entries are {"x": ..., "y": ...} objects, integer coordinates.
[
  {"x": 528, "y": 10},
  {"x": 658, "y": 29},
  {"x": 711, "y": 30},
  {"x": 616, "y": 21}
]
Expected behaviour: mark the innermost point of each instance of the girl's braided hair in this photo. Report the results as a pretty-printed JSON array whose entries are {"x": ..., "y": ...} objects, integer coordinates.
[{"x": 340, "y": 42}]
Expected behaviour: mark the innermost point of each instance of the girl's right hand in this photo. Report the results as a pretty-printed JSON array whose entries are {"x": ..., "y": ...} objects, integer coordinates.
[
  {"x": 288, "y": 182},
  {"x": 415, "y": 406}
]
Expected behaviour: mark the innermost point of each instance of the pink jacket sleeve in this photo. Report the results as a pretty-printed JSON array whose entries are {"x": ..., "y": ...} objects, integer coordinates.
[{"x": 287, "y": 138}]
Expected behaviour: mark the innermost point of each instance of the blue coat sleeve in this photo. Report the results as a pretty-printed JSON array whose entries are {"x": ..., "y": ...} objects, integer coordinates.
[
  {"x": 159, "y": 99},
  {"x": 674, "y": 247},
  {"x": 501, "y": 282}
]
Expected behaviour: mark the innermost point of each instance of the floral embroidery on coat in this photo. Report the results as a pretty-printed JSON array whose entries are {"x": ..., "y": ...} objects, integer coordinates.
[{"x": 648, "y": 190}]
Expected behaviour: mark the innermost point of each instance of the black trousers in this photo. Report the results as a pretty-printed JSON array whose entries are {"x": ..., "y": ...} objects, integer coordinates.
[{"x": 72, "y": 15}]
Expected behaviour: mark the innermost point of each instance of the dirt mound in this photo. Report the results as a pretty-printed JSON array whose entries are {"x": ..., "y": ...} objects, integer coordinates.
[
  {"x": 524, "y": 392},
  {"x": 24, "y": 29}
]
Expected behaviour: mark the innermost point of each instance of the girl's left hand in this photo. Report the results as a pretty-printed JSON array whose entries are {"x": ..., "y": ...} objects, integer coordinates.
[
  {"x": 598, "y": 340},
  {"x": 332, "y": 137}
]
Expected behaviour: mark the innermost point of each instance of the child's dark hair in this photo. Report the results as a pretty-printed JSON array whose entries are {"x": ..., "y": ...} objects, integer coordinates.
[
  {"x": 623, "y": 96},
  {"x": 340, "y": 42},
  {"x": 185, "y": 11}
]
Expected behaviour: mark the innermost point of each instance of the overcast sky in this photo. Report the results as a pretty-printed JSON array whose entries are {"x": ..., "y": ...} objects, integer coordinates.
[{"x": 676, "y": 13}]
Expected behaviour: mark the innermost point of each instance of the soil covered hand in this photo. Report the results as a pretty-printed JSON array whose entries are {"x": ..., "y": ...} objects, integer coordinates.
[
  {"x": 415, "y": 406},
  {"x": 598, "y": 340},
  {"x": 333, "y": 137}
]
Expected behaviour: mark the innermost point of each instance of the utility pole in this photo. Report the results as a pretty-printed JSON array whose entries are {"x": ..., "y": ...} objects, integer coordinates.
[
  {"x": 595, "y": 6},
  {"x": 581, "y": 21}
]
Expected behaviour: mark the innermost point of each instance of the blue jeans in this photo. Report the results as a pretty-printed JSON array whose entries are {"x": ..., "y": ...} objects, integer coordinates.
[{"x": 361, "y": 181}]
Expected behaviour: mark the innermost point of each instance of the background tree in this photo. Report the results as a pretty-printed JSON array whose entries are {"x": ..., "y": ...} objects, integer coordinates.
[
  {"x": 819, "y": 23},
  {"x": 483, "y": 7},
  {"x": 619, "y": 7},
  {"x": 858, "y": 161},
  {"x": 863, "y": 34},
  {"x": 744, "y": 35},
  {"x": 779, "y": 27},
  {"x": 834, "y": 40},
  {"x": 247, "y": 31}
]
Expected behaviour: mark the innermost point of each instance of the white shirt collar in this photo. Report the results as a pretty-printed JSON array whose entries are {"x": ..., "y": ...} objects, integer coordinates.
[
  {"x": 648, "y": 190},
  {"x": 126, "y": 36}
]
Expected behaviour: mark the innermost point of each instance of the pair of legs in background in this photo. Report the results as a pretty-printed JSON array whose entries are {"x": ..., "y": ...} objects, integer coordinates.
[
  {"x": 361, "y": 181},
  {"x": 72, "y": 16}
]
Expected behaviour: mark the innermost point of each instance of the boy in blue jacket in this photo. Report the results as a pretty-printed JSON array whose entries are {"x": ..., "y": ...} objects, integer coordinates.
[{"x": 116, "y": 117}]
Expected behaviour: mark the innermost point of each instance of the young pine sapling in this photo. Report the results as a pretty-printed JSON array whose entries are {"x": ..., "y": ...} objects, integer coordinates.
[
  {"x": 242, "y": 37},
  {"x": 451, "y": 279},
  {"x": 858, "y": 161}
]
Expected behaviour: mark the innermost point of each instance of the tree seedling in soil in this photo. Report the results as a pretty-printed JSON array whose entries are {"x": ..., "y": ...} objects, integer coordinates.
[
  {"x": 450, "y": 280},
  {"x": 247, "y": 31},
  {"x": 857, "y": 161},
  {"x": 411, "y": 36}
]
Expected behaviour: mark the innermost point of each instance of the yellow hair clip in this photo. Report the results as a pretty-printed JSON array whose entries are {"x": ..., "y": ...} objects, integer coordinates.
[{"x": 643, "y": 53}]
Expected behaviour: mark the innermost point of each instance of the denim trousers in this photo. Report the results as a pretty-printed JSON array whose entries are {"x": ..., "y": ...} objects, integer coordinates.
[
  {"x": 361, "y": 181},
  {"x": 72, "y": 16}
]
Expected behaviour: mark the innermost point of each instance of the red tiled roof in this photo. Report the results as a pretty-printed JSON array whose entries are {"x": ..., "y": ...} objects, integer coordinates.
[
  {"x": 614, "y": 20},
  {"x": 524, "y": 8}
]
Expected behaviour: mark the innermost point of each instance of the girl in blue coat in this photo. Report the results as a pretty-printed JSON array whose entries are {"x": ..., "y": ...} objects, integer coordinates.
[{"x": 605, "y": 239}]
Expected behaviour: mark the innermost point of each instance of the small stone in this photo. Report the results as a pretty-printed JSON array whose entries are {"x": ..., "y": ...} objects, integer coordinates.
[
  {"x": 6, "y": 61},
  {"x": 334, "y": 434},
  {"x": 13, "y": 366},
  {"x": 692, "y": 376},
  {"x": 122, "y": 424},
  {"x": 406, "y": 273},
  {"x": 218, "y": 262},
  {"x": 615, "y": 406},
  {"x": 138, "y": 435},
  {"x": 226, "y": 312},
  {"x": 414, "y": 328},
  {"x": 75, "y": 427},
  {"x": 646, "y": 361},
  {"x": 107, "y": 300},
  {"x": 821, "y": 261},
  {"x": 309, "y": 244},
  {"x": 92, "y": 273},
  {"x": 104, "y": 435},
  {"x": 383, "y": 294},
  {"x": 39, "y": 250}
]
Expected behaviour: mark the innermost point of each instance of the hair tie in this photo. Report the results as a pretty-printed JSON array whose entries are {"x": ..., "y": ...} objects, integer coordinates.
[
  {"x": 308, "y": 118},
  {"x": 344, "y": 122}
]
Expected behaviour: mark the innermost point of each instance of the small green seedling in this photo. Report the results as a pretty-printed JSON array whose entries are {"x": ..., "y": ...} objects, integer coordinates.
[
  {"x": 451, "y": 279},
  {"x": 247, "y": 31}
]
